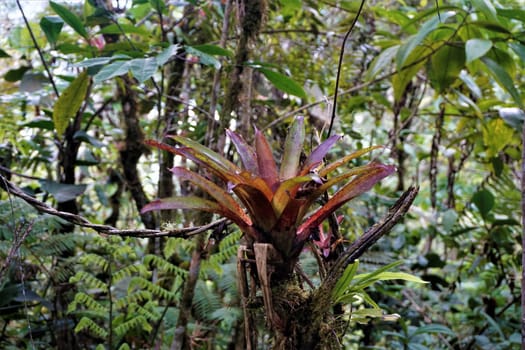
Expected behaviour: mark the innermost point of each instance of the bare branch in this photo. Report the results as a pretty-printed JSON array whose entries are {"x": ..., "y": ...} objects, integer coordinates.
[{"x": 104, "y": 229}]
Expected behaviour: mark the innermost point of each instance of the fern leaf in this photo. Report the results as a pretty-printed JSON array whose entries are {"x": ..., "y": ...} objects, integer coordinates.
[
  {"x": 89, "y": 280},
  {"x": 85, "y": 324}
]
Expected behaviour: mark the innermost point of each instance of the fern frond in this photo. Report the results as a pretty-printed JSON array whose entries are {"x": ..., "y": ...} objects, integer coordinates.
[
  {"x": 164, "y": 265},
  {"x": 85, "y": 324},
  {"x": 205, "y": 301},
  {"x": 89, "y": 280},
  {"x": 127, "y": 271},
  {"x": 176, "y": 245},
  {"x": 138, "y": 297},
  {"x": 138, "y": 322},
  {"x": 124, "y": 346},
  {"x": 56, "y": 245},
  {"x": 151, "y": 315},
  {"x": 88, "y": 301},
  {"x": 154, "y": 289},
  {"x": 96, "y": 260}
]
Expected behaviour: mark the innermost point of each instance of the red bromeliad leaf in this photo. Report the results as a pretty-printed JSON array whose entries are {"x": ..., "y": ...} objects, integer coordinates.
[
  {"x": 293, "y": 146},
  {"x": 257, "y": 183},
  {"x": 335, "y": 180},
  {"x": 351, "y": 190},
  {"x": 287, "y": 190},
  {"x": 332, "y": 166},
  {"x": 258, "y": 206},
  {"x": 208, "y": 153},
  {"x": 200, "y": 159},
  {"x": 197, "y": 203},
  {"x": 162, "y": 146},
  {"x": 216, "y": 192},
  {"x": 246, "y": 152},
  {"x": 265, "y": 161},
  {"x": 319, "y": 153},
  {"x": 204, "y": 161}
]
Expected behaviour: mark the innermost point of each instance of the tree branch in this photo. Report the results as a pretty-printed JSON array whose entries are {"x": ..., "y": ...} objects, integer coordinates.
[{"x": 79, "y": 220}]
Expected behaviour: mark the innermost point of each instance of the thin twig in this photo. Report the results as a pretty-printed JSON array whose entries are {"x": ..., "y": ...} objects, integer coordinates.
[
  {"x": 104, "y": 229},
  {"x": 340, "y": 64},
  {"x": 46, "y": 67}
]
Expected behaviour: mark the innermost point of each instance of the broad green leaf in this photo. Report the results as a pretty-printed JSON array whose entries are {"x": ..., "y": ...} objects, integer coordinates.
[
  {"x": 433, "y": 328},
  {"x": 158, "y": 5},
  {"x": 487, "y": 8},
  {"x": 514, "y": 117},
  {"x": 496, "y": 135},
  {"x": 4, "y": 54},
  {"x": 123, "y": 28},
  {"x": 51, "y": 26},
  {"x": 387, "y": 276},
  {"x": 351, "y": 190},
  {"x": 43, "y": 123},
  {"x": 504, "y": 79},
  {"x": 413, "y": 64},
  {"x": 293, "y": 146},
  {"x": 283, "y": 83},
  {"x": 448, "y": 220},
  {"x": 245, "y": 151},
  {"x": 70, "y": 18},
  {"x": 217, "y": 193},
  {"x": 476, "y": 48},
  {"x": 204, "y": 58},
  {"x": 16, "y": 74},
  {"x": 166, "y": 54},
  {"x": 213, "y": 50},
  {"x": 519, "y": 49},
  {"x": 428, "y": 27},
  {"x": 265, "y": 161},
  {"x": 69, "y": 102},
  {"x": 484, "y": 201},
  {"x": 381, "y": 61},
  {"x": 62, "y": 192},
  {"x": 515, "y": 13},
  {"x": 445, "y": 66},
  {"x": 114, "y": 69},
  {"x": 32, "y": 82},
  {"x": 143, "y": 68},
  {"x": 81, "y": 135},
  {"x": 344, "y": 281},
  {"x": 366, "y": 279},
  {"x": 99, "y": 61}
]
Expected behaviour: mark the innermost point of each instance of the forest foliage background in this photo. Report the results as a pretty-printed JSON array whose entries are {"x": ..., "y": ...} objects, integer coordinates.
[{"x": 438, "y": 84}]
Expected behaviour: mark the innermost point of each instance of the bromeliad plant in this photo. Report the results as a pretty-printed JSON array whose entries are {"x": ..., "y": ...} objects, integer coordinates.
[{"x": 272, "y": 204}]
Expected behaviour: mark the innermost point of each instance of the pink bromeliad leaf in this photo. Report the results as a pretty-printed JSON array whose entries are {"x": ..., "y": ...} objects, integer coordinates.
[
  {"x": 351, "y": 190},
  {"x": 287, "y": 191},
  {"x": 293, "y": 146},
  {"x": 216, "y": 192},
  {"x": 266, "y": 162},
  {"x": 246, "y": 152},
  {"x": 196, "y": 203},
  {"x": 317, "y": 155},
  {"x": 259, "y": 207},
  {"x": 208, "y": 153}
]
